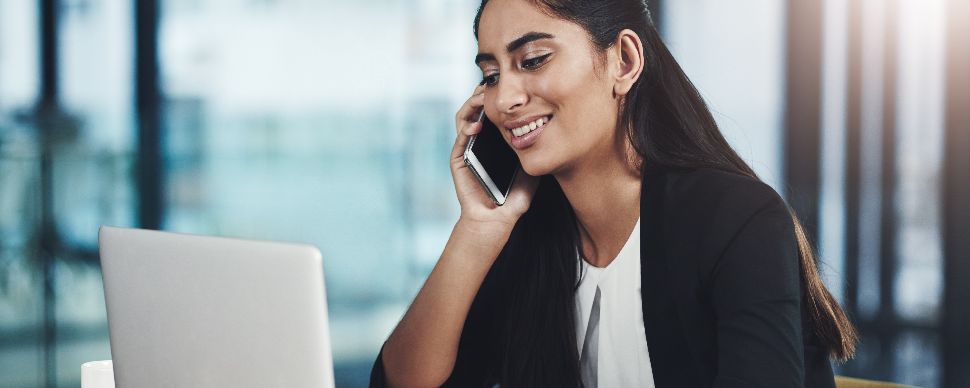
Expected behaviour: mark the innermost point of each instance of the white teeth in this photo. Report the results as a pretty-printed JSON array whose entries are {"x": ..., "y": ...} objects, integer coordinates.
[{"x": 529, "y": 127}]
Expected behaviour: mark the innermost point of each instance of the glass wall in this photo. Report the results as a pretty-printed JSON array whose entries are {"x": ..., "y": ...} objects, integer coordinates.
[
  {"x": 898, "y": 97},
  {"x": 293, "y": 120},
  {"x": 287, "y": 120},
  {"x": 734, "y": 52},
  {"x": 21, "y": 302}
]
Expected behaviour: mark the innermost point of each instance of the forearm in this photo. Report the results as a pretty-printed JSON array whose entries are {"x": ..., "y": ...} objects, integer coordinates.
[{"x": 422, "y": 349}]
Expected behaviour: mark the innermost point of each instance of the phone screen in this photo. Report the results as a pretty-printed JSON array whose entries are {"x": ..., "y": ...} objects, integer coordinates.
[{"x": 496, "y": 156}]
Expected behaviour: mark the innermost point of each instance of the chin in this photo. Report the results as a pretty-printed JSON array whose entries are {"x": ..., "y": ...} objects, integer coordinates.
[{"x": 538, "y": 167}]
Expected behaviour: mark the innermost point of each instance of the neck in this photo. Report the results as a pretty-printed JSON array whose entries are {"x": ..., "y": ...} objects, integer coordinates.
[{"x": 604, "y": 193}]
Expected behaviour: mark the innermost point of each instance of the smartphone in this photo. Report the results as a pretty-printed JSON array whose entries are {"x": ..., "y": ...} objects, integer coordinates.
[{"x": 492, "y": 160}]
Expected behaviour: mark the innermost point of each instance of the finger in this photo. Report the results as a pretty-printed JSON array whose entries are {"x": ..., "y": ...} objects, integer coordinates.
[
  {"x": 473, "y": 128},
  {"x": 479, "y": 89},
  {"x": 461, "y": 142},
  {"x": 465, "y": 134},
  {"x": 469, "y": 110},
  {"x": 525, "y": 185}
]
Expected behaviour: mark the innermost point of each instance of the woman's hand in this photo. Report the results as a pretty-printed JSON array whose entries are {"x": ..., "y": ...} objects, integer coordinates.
[
  {"x": 476, "y": 205},
  {"x": 423, "y": 348}
]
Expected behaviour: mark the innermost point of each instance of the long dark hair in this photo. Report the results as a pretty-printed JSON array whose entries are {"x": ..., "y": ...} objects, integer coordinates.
[{"x": 671, "y": 127}]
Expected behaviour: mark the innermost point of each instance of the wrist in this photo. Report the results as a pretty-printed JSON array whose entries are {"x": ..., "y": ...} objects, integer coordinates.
[
  {"x": 484, "y": 229},
  {"x": 484, "y": 236}
]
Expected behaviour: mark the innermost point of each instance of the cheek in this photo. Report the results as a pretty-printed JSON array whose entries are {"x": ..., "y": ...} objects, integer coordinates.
[
  {"x": 560, "y": 85},
  {"x": 583, "y": 101},
  {"x": 572, "y": 85}
]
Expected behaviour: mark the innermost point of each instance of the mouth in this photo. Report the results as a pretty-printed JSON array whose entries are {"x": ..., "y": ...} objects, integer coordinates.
[{"x": 531, "y": 126}]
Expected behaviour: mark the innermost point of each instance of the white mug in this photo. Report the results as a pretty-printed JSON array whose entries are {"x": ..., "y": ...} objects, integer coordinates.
[{"x": 97, "y": 374}]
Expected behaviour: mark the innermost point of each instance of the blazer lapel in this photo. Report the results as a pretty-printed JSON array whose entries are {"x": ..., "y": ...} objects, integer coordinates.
[{"x": 670, "y": 357}]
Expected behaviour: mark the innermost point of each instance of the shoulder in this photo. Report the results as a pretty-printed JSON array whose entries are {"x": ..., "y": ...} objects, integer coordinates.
[
  {"x": 704, "y": 209},
  {"x": 708, "y": 187}
]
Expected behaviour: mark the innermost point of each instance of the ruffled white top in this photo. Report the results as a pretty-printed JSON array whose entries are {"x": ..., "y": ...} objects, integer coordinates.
[{"x": 618, "y": 354}]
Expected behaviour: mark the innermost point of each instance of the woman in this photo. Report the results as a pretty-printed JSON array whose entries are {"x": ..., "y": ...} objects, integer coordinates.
[{"x": 637, "y": 249}]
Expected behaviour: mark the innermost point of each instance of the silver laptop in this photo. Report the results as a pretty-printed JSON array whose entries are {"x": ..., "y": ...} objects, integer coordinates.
[{"x": 198, "y": 311}]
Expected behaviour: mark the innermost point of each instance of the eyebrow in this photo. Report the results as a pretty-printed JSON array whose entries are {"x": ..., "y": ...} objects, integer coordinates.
[{"x": 515, "y": 45}]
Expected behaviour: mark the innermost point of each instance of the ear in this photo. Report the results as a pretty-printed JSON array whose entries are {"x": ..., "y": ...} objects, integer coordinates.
[{"x": 628, "y": 61}]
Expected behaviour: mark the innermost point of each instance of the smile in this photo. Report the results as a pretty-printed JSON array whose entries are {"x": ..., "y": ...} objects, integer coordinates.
[{"x": 525, "y": 129}]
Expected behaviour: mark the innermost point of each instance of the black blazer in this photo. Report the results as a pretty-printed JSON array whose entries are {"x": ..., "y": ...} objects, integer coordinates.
[{"x": 721, "y": 290}]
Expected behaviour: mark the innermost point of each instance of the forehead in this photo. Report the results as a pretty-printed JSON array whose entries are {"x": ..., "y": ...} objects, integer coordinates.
[{"x": 503, "y": 21}]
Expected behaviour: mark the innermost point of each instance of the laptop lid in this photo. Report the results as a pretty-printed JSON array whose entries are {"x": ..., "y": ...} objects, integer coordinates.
[{"x": 200, "y": 311}]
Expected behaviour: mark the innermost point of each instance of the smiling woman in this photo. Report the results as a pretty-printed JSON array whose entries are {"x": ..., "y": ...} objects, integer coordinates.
[
  {"x": 542, "y": 66},
  {"x": 637, "y": 249}
]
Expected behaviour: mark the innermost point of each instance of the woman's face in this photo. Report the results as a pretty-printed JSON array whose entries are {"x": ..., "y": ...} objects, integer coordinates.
[{"x": 538, "y": 67}]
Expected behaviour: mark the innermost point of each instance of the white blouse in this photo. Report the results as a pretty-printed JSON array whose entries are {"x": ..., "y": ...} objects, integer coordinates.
[{"x": 608, "y": 304}]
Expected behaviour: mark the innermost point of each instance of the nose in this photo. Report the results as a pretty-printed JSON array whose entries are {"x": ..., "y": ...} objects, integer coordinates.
[{"x": 510, "y": 95}]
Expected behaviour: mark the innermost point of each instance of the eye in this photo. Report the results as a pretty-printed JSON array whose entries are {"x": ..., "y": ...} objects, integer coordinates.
[
  {"x": 535, "y": 63},
  {"x": 490, "y": 79}
]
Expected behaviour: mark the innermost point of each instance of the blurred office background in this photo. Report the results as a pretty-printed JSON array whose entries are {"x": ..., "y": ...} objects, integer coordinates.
[{"x": 330, "y": 122}]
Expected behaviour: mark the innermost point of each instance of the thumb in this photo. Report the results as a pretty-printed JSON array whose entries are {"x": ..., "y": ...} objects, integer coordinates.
[{"x": 524, "y": 187}]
